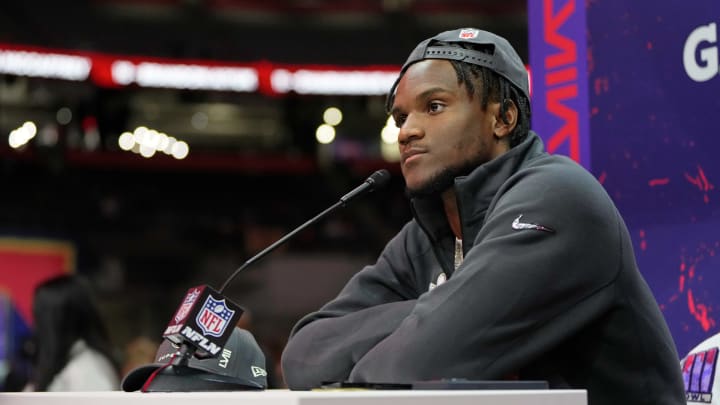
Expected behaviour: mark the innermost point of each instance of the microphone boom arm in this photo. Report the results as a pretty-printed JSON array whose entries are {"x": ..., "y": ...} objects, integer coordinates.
[
  {"x": 377, "y": 179},
  {"x": 279, "y": 242}
]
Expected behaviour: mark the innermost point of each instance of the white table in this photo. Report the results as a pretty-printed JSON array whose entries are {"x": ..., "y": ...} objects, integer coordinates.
[{"x": 285, "y": 397}]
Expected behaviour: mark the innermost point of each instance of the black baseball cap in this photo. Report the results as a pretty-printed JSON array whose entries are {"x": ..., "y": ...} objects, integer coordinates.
[
  {"x": 500, "y": 57},
  {"x": 239, "y": 367}
]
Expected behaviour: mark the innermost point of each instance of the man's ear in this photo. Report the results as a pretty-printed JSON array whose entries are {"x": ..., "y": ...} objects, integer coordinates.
[{"x": 504, "y": 125}]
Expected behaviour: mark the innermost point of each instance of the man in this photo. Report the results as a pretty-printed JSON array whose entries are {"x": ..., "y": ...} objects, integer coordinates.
[{"x": 516, "y": 265}]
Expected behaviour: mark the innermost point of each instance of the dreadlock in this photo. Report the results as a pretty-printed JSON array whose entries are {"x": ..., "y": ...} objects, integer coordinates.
[{"x": 497, "y": 89}]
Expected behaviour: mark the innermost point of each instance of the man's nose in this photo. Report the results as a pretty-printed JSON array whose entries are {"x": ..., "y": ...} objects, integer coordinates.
[{"x": 410, "y": 130}]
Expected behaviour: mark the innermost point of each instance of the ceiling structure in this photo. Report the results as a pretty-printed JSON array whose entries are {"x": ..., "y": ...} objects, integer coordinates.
[
  {"x": 340, "y": 33},
  {"x": 295, "y": 31},
  {"x": 146, "y": 229}
]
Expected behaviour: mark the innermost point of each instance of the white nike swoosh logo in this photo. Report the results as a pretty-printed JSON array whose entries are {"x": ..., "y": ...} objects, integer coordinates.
[{"x": 517, "y": 225}]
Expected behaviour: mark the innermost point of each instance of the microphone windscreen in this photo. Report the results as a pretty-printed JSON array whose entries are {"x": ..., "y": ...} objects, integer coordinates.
[{"x": 379, "y": 179}]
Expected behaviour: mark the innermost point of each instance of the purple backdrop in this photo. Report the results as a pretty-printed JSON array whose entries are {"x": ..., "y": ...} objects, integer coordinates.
[{"x": 648, "y": 124}]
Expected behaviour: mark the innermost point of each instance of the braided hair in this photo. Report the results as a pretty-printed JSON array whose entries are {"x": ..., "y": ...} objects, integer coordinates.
[{"x": 497, "y": 89}]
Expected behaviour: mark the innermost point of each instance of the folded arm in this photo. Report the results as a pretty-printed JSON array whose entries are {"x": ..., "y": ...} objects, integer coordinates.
[
  {"x": 518, "y": 294},
  {"x": 325, "y": 345}
]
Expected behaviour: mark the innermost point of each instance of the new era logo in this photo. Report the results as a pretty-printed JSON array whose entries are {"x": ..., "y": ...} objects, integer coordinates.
[
  {"x": 258, "y": 371},
  {"x": 469, "y": 33}
]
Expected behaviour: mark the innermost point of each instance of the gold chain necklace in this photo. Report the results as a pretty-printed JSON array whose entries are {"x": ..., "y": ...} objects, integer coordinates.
[{"x": 458, "y": 252}]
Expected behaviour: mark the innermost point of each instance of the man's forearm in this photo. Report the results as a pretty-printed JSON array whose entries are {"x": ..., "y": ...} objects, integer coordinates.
[{"x": 327, "y": 349}]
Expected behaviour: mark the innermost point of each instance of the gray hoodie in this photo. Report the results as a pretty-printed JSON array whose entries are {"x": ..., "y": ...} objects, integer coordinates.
[{"x": 548, "y": 290}]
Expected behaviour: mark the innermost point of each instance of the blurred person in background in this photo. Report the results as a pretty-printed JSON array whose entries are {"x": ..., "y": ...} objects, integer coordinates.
[
  {"x": 139, "y": 351},
  {"x": 73, "y": 350}
]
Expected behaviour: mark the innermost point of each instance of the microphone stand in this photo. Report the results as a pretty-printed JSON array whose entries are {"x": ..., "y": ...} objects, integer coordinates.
[
  {"x": 182, "y": 358},
  {"x": 279, "y": 242},
  {"x": 377, "y": 179},
  {"x": 179, "y": 364}
]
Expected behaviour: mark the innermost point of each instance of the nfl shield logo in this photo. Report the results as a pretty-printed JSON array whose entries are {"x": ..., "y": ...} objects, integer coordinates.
[
  {"x": 214, "y": 316},
  {"x": 469, "y": 33}
]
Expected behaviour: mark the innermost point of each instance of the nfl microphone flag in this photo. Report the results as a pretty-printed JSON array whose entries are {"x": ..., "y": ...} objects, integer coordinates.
[
  {"x": 205, "y": 320},
  {"x": 202, "y": 340}
]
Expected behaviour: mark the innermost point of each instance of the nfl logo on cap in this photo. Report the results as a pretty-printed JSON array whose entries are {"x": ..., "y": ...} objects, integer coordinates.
[
  {"x": 214, "y": 316},
  {"x": 468, "y": 33}
]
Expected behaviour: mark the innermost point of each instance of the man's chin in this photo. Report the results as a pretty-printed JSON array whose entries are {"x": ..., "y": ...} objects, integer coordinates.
[
  {"x": 433, "y": 186},
  {"x": 440, "y": 182}
]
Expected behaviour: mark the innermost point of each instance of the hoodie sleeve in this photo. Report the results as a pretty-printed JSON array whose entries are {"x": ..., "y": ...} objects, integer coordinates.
[
  {"x": 325, "y": 345},
  {"x": 519, "y": 292}
]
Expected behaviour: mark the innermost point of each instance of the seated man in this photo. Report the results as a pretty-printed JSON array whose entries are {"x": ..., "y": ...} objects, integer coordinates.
[{"x": 516, "y": 265}]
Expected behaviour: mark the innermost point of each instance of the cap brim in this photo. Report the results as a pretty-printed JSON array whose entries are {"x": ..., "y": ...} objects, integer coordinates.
[
  {"x": 135, "y": 379},
  {"x": 184, "y": 379}
]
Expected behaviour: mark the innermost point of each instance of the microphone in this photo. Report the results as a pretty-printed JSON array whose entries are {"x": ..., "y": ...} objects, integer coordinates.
[
  {"x": 376, "y": 180},
  {"x": 206, "y": 318}
]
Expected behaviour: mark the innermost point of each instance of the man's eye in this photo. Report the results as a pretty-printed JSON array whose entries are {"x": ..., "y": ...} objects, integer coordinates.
[
  {"x": 435, "y": 107},
  {"x": 399, "y": 120}
]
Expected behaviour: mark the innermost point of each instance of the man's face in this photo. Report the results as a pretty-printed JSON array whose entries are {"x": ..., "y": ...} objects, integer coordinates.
[{"x": 443, "y": 132}]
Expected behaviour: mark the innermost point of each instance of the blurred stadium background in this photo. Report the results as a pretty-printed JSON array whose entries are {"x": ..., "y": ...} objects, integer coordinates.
[{"x": 164, "y": 142}]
